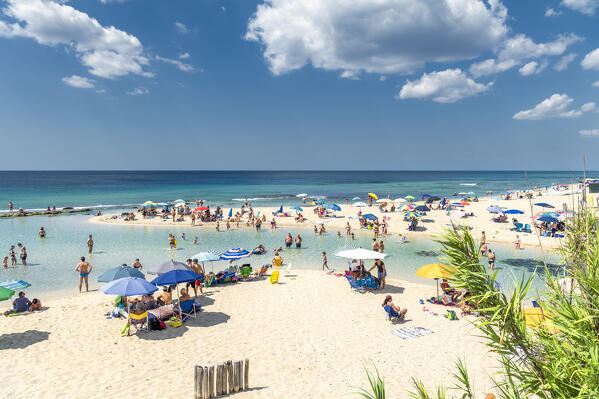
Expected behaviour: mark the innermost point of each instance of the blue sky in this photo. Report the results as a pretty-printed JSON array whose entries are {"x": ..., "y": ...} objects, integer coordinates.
[{"x": 299, "y": 84}]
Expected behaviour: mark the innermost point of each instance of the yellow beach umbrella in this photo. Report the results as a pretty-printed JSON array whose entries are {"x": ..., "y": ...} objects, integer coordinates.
[
  {"x": 149, "y": 203},
  {"x": 373, "y": 195},
  {"x": 436, "y": 271}
]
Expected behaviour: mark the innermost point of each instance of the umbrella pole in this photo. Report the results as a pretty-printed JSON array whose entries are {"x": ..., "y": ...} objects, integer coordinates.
[
  {"x": 179, "y": 301},
  {"x": 437, "y": 280}
]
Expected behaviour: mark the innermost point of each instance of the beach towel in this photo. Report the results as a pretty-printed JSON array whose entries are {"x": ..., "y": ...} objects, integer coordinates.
[{"x": 411, "y": 332}]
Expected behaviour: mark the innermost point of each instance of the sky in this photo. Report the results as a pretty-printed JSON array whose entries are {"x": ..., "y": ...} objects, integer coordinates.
[{"x": 299, "y": 84}]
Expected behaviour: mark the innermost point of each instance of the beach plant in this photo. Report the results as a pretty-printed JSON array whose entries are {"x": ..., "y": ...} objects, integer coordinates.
[
  {"x": 557, "y": 358},
  {"x": 377, "y": 386}
]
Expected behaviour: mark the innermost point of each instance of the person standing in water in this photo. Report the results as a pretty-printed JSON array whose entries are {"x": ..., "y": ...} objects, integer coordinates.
[
  {"x": 84, "y": 269},
  {"x": 23, "y": 254},
  {"x": 42, "y": 232},
  {"x": 491, "y": 257},
  {"x": 298, "y": 241},
  {"x": 137, "y": 264},
  {"x": 90, "y": 244},
  {"x": 288, "y": 240},
  {"x": 325, "y": 262}
]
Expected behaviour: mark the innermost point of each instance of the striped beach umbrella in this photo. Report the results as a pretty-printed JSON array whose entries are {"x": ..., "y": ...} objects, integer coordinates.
[
  {"x": 15, "y": 285},
  {"x": 5, "y": 293},
  {"x": 235, "y": 253}
]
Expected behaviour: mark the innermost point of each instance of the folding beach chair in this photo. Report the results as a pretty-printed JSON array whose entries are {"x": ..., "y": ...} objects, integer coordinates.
[
  {"x": 188, "y": 309},
  {"x": 139, "y": 321}
]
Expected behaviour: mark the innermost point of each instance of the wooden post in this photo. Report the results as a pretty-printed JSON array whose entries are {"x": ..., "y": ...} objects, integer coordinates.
[
  {"x": 246, "y": 381},
  {"x": 199, "y": 379},
  {"x": 230, "y": 375},
  {"x": 223, "y": 379},
  {"x": 206, "y": 384},
  {"x": 211, "y": 381},
  {"x": 236, "y": 376}
]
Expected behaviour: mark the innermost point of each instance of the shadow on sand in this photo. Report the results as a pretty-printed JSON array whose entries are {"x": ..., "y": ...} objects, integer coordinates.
[
  {"x": 23, "y": 339},
  {"x": 203, "y": 319}
]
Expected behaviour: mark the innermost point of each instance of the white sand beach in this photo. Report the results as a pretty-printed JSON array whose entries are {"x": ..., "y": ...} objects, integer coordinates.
[
  {"x": 430, "y": 225},
  {"x": 308, "y": 337}
]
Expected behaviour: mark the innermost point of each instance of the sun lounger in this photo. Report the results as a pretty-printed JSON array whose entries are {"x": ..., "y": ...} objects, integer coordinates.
[{"x": 526, "y": 228}]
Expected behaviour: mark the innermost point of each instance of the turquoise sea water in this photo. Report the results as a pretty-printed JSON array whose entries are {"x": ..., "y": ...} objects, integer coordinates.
[{"x": 52, "y": 260}]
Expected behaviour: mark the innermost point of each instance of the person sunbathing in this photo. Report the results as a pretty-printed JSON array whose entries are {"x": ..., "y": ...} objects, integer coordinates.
[
  {"x": 36, "y": 305},
  {"x": 165, "y": 298},
  {"x": 455, "y": 294},
  {"x": 393, "y": 310}
]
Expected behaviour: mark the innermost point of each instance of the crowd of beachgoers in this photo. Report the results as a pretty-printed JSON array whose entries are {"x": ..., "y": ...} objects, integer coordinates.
[{"x": 258, "y": 305}]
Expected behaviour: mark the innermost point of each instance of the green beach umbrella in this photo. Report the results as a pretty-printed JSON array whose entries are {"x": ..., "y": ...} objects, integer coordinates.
[
  {"x": 5, "y": 293},
  {"x": 409, "y": 197}
]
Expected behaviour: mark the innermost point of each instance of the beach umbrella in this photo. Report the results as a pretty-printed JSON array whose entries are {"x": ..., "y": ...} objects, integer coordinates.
[
  {"x": 400, "y": 200},
  {"x": 548, "y": 219},
  {"x": 297, "y": 208},
  {"x": 409, "y": 197},
  {"x": 457, "y": 205},
  {"x": 360, "y": 253},
  {"x": 457, "y": 214},
  {"x": 513, "y": 212},
  {"x": 162, "y": 204},
  {"x": 494, "y": 209},
  {"x": 333, "y": 207},
  {"x": 549, "y": 214},
  {"x": 373, "y": 195},
  {"x": 422, "y": 208},
  {"x": 5, "y": 293},
  {"x": 15, "y": 285},
  {"x": 464, "y": 203},
  {"x": 369, "y": 216},
  {"x": 201, "y": 208},
  {"x": 544, "y": 205},
  {"x": 406, "y": 208},
  {"x": 355, "y": 198},
  {"x": 230, "y": 212},
  {"x": 436, "y": 271},
  {"x": 383, "y": 200},
  {"x": 359, "y": 204},
  {"x": 210, "y": 256},
  {"x": 149, "y": 203},
  {"x": 167, "y": 266},
  {"x": 411, "y": 215},
  {"x": 463, "y": 193},
  {"x": 235, "y": 253},
  {"x": 175, "y": 277},
  {"x": 319, "y": 202},
  {"x": 119, "y": 272},
  {"x": 425, "y": 197},
  {"x": 128, "y": 286}
]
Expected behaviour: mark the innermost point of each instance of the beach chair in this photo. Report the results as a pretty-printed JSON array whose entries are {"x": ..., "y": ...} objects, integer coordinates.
[
  {"x": 518, "y": 227},
  {"x": 279, "y": 211},
  {"x": 370, "y": 283},
  {"x": 245, "y": 272},
  {"x": 392, "y": 314},
  {"x": 188, "y": 309},
  {"x": 354, "y": 284},
  {"x": 274, "y": 277},
  {"x": 139, "y": 321},
  {"x": 526, "y": 228}
]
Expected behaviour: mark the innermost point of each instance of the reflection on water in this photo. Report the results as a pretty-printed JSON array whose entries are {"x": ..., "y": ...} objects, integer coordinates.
[{"x": 53, "y": 259}]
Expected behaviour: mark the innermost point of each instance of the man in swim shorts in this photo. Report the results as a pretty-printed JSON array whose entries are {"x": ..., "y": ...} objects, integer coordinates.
[
  {"x": 84, "y": 269},
  {"x": 491, "y": 257},
  {"x": 90, "y": 244}
]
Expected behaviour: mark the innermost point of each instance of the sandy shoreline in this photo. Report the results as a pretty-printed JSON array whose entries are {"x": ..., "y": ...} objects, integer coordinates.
[
  {"x": 431, "y": 225},
  {"x": 308, "y": 337}
]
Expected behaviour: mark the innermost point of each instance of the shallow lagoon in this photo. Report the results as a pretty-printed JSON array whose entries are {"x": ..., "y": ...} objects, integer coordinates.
[{"x": 52, "y": 260}]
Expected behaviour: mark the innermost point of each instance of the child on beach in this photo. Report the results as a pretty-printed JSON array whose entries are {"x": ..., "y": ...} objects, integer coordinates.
[
  {"x": 517, "y": 242},
  {"x": 5, "y": 262}
]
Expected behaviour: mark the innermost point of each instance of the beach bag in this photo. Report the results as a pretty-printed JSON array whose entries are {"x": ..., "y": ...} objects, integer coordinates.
[
  {"x": 175, "y": 322},
  {"x": 450, "y": 314},
  {"x": 155, "y": 325}
]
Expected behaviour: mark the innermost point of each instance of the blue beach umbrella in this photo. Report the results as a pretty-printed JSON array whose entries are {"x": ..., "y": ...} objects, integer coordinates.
[
  {"x": 297, "y": 208},
  {"x": 210, "y": 256},
  {"x": 369, "y": 216},
  {"x": 235, "y": 253},
  {"x": 333, "y": 207},
  {"x": 494, "y": 209},
  {"x": 175, "y": 277},
  {"x": 548, "y": 219},
  {"x": 513, "y": 212},
  {"x": 422, "y": 208},
  {"x": 231, "y": 212},
  {"x": 549, "y": 214},
  {"x": 319, "y": 202},
  {"x": 15, "y": 285},
  {"x": 128, "y": 286},
  {"x": 119, "y": 272},
  {"x": 544, "y": 205}
]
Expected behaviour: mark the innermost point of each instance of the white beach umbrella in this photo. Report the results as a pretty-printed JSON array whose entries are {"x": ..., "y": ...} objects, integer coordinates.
[
  {"x": 400, "y": 200},
  {"x": 360, "y": 253},
  {"x": 359, "y": 204}
]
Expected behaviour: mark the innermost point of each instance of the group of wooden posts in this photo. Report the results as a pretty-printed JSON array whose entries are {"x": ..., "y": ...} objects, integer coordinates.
[{"x": 221, "y": 379}]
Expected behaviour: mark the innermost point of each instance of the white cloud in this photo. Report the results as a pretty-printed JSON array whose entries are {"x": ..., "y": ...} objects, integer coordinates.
[
  {"x": 111, "y": 1},
  {"x": 184, "y": 56},
  {"x": 556, "y": 106},
  {"x": 591, "y": 60},
  {"x": 550, "y": 12},
  {"x": 584, "y": 6},
  {"x": 563, "y": 63},
  {"x": 589, "y": 132},
  {"x": 517, "y": 49},
  {"x": 596, "y": 84},
  {"x": 532, "y": 68},
  {"x": 588, "y": 107},
  {"x": 138, "y": 91},
  {"x": 223, "y": 8},
  {"x": 181, "y": 27},
  {"x": 107, "y": 51},
  {"x": 446, "y": 86},
  {"x": 179, "y": 64},
  {"x": 383, "y": 36},
  {"x": 78, "y": 81}
]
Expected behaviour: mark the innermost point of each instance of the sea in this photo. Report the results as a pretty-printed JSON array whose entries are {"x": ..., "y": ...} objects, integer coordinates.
[{"x": 52, "y": 260}]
